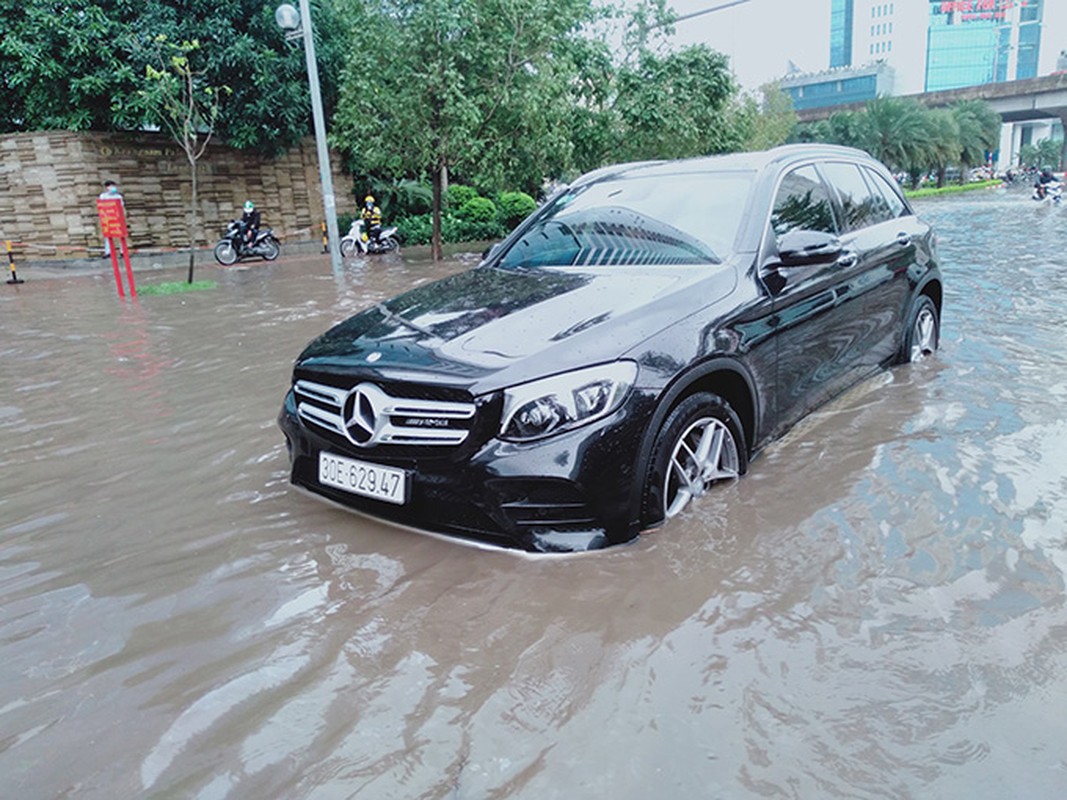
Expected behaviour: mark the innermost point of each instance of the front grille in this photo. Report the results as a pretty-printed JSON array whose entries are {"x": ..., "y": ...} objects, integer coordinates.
[{"x": 368, "y": 415}]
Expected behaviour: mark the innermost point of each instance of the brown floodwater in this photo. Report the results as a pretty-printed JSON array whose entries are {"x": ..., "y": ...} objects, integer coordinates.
[{"x": 876, "y": 611}]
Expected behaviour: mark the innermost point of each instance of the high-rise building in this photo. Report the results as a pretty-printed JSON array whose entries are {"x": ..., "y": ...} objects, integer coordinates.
[
  {"x": 948, "y": 44},
  {"x": 841, "y": 15},
  {"x": 972, "y": 42}
]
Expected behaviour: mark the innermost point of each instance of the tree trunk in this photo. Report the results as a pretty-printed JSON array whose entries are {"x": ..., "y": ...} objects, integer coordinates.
[
  {"x": 436, "y": 250},
  {"x": 192, "y": 218}
]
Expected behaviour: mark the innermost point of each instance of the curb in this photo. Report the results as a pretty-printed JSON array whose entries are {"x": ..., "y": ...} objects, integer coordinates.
[{"x": 143, "y": 260}]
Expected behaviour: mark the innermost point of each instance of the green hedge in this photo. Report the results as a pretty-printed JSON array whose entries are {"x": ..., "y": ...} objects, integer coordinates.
[
  {"x": 466, "y": 217},
  {"x": 951, "y": 188}
]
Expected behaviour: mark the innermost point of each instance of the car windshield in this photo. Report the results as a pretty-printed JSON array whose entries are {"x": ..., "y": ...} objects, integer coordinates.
[{"x": 646, "y": 220}]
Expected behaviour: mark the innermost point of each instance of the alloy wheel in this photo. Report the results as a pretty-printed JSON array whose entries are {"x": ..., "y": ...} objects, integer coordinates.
[
  {"x": 705, "y": 453},
  {"x": 924, "y": 334}
]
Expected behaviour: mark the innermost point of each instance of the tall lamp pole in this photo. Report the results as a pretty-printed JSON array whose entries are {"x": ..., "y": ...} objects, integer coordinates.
[{"x": 297, "y": 24}]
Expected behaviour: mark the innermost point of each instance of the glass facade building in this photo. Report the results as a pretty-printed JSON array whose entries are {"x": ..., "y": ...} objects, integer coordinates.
[
  {"x": 974, "y": 42},
  {"x": 841, "y": 16}
]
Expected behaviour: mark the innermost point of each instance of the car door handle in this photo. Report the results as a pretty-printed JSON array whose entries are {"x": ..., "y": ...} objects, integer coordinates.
[
  {"x": 847, "y": 259},
  {"x": 903, "y": 239}
]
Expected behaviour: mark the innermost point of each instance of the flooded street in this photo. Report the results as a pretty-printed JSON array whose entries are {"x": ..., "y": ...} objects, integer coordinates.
[{"x": 876, "y": 611}]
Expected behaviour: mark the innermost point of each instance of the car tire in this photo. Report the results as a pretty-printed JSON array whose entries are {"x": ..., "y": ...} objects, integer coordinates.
[
  {"x": 701, "y": 443},
  {"x": 923, "y": 333}
]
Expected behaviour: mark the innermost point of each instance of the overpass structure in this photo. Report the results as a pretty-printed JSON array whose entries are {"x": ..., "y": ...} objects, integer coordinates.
[{"x": 1034, "y": 104}]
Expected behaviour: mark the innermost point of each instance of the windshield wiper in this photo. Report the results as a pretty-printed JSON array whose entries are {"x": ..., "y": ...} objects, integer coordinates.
[{"x": 392, "y": 316}]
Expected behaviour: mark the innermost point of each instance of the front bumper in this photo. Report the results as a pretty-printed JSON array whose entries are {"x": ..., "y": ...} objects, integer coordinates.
[{"x": 571, "y": 492}]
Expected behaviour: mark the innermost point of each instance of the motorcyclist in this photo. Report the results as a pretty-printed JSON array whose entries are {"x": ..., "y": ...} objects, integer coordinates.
[
  {"x": 1044, "y": 183},
  {"x": 372, "y": 219},
  {"x": 249, "y": 224}
]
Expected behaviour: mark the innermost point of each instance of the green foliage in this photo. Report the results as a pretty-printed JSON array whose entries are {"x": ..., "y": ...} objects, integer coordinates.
[
  {"x": 177, "y": 97},
  {"x": 80, "y": 64},
  {"x": 514, "y": 207},
  {"x": 459, "y": 195},
  {"x": 466, "y": 230},
  {"x": 416, "y": 230},
  {"x": 675, "y": 106},
  {"x": 912, "y": 138},
  {"x": 770, "y": 118},
  {"x": 1046, "y": 153},
  {"x": 175, "y": 287},
  {"x": 951, "y": 189},
  {"x": 477, "y": 209}
]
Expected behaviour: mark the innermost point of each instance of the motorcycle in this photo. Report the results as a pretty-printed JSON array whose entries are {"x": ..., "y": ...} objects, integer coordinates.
[
  {"x": 355, "y": 242},
  {"x": 232, "y": 247},
  {"x": 1048, "y": 191}
]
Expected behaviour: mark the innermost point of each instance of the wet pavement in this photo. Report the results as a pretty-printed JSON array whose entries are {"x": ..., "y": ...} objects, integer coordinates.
[{"x": 876, "y": 611}]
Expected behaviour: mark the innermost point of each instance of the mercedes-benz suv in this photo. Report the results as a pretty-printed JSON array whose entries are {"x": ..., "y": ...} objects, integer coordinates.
[{"x": 636, "y": 340}]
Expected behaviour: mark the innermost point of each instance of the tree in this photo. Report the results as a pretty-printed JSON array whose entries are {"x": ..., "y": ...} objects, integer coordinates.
[
  {"x": 473, "y": 87},
  {"x": 61, "y": 68},
  {"x": 187, "y": 107},
  {"x": 942, "y": 143},
  {"x": 79, "y": 65},
  {"x": 1044, "y": 154},
  {"x": 979, "y": 127},
  {"x": 894, "y": 130},
  {"x": 773, "y": 119},
  {"x": 675, "y": 106}
]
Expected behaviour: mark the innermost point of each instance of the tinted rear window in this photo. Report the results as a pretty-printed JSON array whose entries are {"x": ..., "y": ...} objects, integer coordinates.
[{"x": 647, "y": 220}]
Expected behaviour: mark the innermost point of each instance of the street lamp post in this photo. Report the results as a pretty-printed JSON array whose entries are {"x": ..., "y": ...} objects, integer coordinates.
[{"x": 297, "y": 24}]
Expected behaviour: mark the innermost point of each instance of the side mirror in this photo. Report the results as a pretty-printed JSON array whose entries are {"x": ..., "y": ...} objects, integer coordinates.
[
  {"x": 802, "y": 248},
  {"x": 490, "y": 251}
]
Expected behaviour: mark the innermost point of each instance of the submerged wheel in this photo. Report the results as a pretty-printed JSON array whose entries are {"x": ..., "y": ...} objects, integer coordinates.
[
  {"x": 924, "y": 331},
  {"x": 348, "y": 247},
  {"x": 224, "y": 253},
  {"x": 701, "y": 443},
  {"x": 389, "y": 244},
  {"x": 271, "y": 248}
]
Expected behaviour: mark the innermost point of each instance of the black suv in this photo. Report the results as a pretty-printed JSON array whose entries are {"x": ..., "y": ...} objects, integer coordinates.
[{"x": 636, "y": 340}]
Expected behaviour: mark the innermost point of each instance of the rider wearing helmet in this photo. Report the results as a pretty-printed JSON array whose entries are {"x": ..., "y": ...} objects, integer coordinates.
[
  {"x": 249, "y": 223},
  {"x": 372, "y": 218}
]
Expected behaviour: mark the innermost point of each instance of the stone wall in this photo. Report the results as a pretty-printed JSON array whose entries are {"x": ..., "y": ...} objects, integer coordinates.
[{"x": 49, "y": 182}]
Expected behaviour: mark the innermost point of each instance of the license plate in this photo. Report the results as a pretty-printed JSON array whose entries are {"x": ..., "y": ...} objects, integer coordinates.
[{"x": 363, "y": 478}]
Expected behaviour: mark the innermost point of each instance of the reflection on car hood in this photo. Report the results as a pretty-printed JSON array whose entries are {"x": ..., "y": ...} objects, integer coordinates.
[{"x": 484, "y": 320}]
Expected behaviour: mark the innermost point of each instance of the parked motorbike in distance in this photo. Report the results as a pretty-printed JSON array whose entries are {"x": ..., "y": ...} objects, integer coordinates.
[
  {"x": 1048, "y": 191},
  {"x": 354, "y": 243},
  {"x": 231, "y": 247}
]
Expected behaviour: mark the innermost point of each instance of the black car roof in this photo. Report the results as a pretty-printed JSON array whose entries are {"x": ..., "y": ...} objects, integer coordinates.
[{"x": 749, "y": 161}]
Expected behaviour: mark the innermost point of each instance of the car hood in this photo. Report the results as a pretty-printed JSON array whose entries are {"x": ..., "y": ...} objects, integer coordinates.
[{"x": 515, "y": 325}]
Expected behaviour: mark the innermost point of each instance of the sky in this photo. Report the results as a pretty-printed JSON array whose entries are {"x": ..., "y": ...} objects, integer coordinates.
[{"x": 761, "y": 36}]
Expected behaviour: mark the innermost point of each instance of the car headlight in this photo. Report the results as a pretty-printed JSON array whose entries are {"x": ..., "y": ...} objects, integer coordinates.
[{"x": 563, "y": 402}]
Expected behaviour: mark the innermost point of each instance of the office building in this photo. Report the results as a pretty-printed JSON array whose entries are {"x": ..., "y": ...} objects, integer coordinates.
[
  {"x": 838, "y": 86},
  {"x": 841, "y": 17},
  {"x": 973, "y": 42}
]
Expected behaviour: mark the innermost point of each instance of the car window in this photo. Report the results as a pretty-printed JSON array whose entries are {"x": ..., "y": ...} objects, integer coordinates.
[
  {"x": 894, "y": 207},
  {"x": 662, "y": 219},
  {"x": 859, "y": 206},
  {"x": 802, "y": 203}
]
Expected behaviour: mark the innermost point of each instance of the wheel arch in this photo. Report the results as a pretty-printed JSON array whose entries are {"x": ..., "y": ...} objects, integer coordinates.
[
  {"x": 723, "y": 377},
  {"x": 932, "y": 289}
]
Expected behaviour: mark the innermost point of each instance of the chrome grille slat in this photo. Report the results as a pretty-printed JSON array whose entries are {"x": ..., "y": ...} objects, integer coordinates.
[{"x": 324, "y": 406}]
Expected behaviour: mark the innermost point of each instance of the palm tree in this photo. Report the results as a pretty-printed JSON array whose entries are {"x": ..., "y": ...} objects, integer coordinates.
[
  {"x": 943, "y": 142},
  {"x": 979, "y": 132},
  {"x": 895, "y": 132}
]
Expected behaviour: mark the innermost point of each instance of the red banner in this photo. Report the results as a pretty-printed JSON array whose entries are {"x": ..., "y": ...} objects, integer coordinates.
[{"x": 112, "y": 218}]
